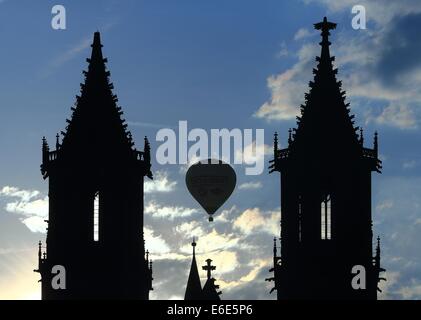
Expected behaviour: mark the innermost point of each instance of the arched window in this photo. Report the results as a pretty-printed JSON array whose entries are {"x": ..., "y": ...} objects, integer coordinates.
[
  {"x": 325, "y": 214},
  {"x": 96, "y": 217}
]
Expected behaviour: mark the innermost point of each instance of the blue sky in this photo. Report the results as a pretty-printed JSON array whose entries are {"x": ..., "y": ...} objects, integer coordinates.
[{"x": 217, "y": 64}]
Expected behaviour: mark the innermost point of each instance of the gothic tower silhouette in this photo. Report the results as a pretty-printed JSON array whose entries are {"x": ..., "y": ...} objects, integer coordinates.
[
  {"x": 326, "y": 226},
  {"x": 194, "y": 289},
  {"x": 95, "y": 226}
]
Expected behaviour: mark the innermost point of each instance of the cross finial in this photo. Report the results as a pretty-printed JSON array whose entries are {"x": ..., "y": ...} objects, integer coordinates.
[
  {"x": 209, "y": 268},
  {"x": 325, "y": 26}
]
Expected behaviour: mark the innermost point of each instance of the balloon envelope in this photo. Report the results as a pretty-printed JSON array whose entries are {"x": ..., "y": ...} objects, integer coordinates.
[{"x": 211, "y": 183}]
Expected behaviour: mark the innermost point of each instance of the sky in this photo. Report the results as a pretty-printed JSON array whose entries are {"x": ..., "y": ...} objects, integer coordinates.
[{"x": 217, "y": 64}]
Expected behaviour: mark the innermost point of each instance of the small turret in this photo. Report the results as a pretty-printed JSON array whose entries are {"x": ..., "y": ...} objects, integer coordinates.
[
  {"x": 376, "y": 143},
  {"x": 57, "y": 142},
  {"x": 275, "y": 145}
]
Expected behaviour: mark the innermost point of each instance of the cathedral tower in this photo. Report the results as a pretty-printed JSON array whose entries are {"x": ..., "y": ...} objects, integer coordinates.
[
  {"x": 326, "y": 227},
  {"x": 95, "y": 226}
]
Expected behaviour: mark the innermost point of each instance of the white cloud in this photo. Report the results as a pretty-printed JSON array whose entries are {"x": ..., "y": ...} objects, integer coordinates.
[
  {"x": 387, "y": 286},
  {"x": 255, "y": 266},
  {"x": 252, "y": 220},
  {"x": 226, "y": 261},
  {"x": 250, "y": 185},
  {"x": 66, "y": 56},
  {"x": 25, "y": 195},
  {"x": 411, "y": 292},
  {"x": 214, "y": 240},
  {"x": 29, "y": 205},
  {"x": 302, "y": 33},
  {"x": 409, "y": 164},
  {"x": 400, "y": 116},
  {"x": 156, "y": 245},
  {"x": 288, "y": 88},
  {"x": 160, "y": 183},
  {"x": 190, "y": 229},
  {"x": 253, "y": 153},
  {"x": 35, "y": 224},
  {"x": 169, "y": 212}
]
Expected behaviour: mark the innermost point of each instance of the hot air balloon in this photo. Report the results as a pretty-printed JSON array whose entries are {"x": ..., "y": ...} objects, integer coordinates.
[{"x": 211, "y": 182}]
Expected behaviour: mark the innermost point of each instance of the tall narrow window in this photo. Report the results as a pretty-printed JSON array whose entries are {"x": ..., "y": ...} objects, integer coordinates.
[
  {"x": 325, "y": 212},
  {"x": 96, "y": 217}
]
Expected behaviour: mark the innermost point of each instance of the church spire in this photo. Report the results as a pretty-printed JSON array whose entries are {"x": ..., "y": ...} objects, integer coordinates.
[
  {"x": 96, "y": 122},
  {"x": 96, "y": 131},
  {"x": 325, "y": 123},
  {"x": 326, "y": 192},
  {"x": 194, "y": 287}
]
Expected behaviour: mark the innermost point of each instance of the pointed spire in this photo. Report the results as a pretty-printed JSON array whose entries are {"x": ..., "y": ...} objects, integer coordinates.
[
  {"x": 97, "y": 48},
  {"x": 289, "y": 136},
  {"x": 97, "y": 117},
  {"x": 361, "y": 136},
  {"x": 147, "y": 150},
  {"x": 194, "y": 287},
  {"x": 325, "y": 119},
  {"x": 44, "y": 143},
  {"x": 376, "y": 142},
  {"x": 275, "y": 144}
]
